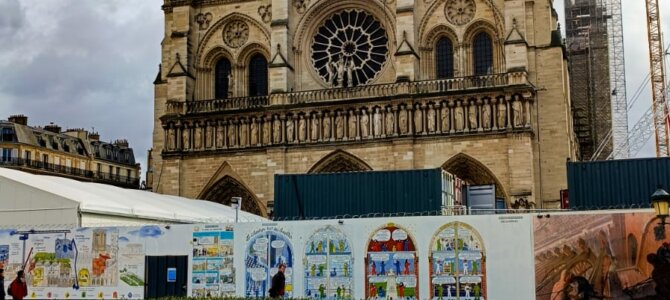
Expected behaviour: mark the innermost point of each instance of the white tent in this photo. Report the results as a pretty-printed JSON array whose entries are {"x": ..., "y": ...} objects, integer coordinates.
[{"x": 46, "y": 201}]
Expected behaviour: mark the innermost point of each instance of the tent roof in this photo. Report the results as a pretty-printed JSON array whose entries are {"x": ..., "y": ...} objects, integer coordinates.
[{"x": 105, "y": 199}]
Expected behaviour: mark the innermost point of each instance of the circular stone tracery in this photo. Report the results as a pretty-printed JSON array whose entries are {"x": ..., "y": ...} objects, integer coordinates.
[
  {"x": 349, "y": 49},
  {"x": 236, "y": 33},
  {"x": 460, "y": 12}
]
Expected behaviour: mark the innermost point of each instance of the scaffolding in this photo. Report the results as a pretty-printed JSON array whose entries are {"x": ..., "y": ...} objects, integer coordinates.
[{"x": 597, "y": 77}]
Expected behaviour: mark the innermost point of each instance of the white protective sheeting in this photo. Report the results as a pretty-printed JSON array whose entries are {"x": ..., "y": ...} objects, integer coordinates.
[{"x": 35, "y": 193}]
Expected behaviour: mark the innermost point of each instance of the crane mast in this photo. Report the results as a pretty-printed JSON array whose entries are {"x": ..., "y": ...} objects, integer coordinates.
[{"x": 656, "y": 55}]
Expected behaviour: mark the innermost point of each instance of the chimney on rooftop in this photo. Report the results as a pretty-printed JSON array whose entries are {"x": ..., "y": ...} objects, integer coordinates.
[
  {"x": 19, "y": 119},
  {"x": 52, "y": 128},
  {"x": 94, "y": 136}
]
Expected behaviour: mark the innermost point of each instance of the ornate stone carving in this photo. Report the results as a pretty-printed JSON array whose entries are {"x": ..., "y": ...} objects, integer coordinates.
[
  {"x": 302, "y": 129},
  {"x": 171, "y": 139},
  {"x": 472, "y": 116},
  {"x": 486, "y": 116},
  {"x": 232, "y": 135},
  {"x": 517, "y": 113},
  {"x": 209, "y": 136},
  {"x": 220, "y": 135},
  {"x": 444, "y": 118},
  {"x": 458, "y": 117},
  {"x": 502, "y": 114},
  {"x": 326, "y": 127},
  {"x": 390, "y": 121},
  {"x": 236, "y": 33},
  {"x": 266, "y": 131},
  {"x": 349, "y": 49},
  {"x": 244, "y": 134},
  {"x": 315, "y": 127},
  {"x": 339, "y": 126},
  {"x": 254, "y": 133},
  {"x": 402, "y": 121},
  {"x": 430, "y": 116},
  {"x": 300, "y": 5},
  {"x": 203, "y": 20},
  {"x": 290, "y": 128},
  {"x": 460, "y": 12},
  {"x": 365, "y": 124},
  {"x": 377, "y": 121},
  {"x": 276, "y": 131},
  {"x": 265, "y": 11},
  {"x": 197, "y": 143},
  {"x": 186, "y": 138},
  {"x": 418, "y": 120},
  {"x": 353, "y": 122}
]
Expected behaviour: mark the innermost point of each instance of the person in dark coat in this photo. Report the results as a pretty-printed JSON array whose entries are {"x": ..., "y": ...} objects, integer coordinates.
[
  {"x": 2, "y": 284},
  {"x": 18, "y": 288},
  {"x": 277, "y": 290}
]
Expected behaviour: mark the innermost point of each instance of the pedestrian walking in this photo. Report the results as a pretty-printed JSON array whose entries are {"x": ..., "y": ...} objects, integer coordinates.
[
  {"x": 18, "y": 288},
  {"x": 2, "y": 284},
  {"x": 277, "y": 289}
]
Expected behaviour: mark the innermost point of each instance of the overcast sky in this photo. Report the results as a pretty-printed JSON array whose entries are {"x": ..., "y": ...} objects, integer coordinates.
[{"x": 92, "y": 63}]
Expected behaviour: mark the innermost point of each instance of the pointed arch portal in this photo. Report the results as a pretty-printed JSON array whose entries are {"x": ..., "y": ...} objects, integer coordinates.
[
  {"x": 226, "y": 188},
  {"x": 473, "y": 172},
  {"x": 338, "y": 162}
]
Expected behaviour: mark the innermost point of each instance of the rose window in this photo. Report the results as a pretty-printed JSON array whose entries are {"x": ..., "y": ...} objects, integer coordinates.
[{"x": 349, "y": 49}]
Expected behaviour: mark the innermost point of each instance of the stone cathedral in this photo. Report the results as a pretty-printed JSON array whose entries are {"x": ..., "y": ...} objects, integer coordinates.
[{"x": 252, "y": 88}]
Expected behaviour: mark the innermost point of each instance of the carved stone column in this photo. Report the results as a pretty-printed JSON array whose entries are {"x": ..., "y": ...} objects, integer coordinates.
[
  {"x": 479, "y": 109},
  {"x": 527, "y": 113},
  {"x": 494, "y": 113},
  {"x": 508, "y": 106}
]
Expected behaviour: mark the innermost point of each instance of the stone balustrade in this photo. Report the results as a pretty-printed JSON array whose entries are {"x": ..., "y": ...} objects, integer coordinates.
[
  {"x": 460, "y": 84},
  {"x": 350, "y": 122}
]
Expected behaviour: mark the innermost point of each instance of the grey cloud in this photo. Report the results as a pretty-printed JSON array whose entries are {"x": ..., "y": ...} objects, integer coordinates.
[{"x": 11, "y": 17}]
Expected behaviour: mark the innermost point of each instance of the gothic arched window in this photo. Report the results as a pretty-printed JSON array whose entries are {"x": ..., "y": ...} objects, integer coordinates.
[
  {"x": 258, "y": 76},
  {"x": 483, "y": 54},
  {"x": 221, "y": 75},
  {"x": 444, "y": 58}
]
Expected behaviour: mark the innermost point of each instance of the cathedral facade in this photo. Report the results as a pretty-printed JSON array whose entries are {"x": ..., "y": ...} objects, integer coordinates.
[{"x": 252, "y": 88}]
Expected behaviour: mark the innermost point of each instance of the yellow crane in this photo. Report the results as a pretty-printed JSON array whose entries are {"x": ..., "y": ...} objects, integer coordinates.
[{"x": 657, "y": 73}]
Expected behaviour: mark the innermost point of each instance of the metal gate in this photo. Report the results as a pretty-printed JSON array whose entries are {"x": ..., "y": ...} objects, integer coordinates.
[{"x": 166, "y": 276}]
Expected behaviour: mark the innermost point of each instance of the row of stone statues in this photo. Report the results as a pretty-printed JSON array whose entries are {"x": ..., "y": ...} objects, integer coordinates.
[
  {"x": 336, "y": 70},
  {"x": 352, "y": 124}
]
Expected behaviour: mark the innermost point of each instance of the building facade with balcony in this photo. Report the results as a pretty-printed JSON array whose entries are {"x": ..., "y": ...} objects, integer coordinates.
[
  {"x": 74, "y": 153},
  {"x": 250, "y": 89}
]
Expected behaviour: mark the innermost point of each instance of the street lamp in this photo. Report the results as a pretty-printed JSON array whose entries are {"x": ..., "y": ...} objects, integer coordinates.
[
  {"x": 236, "y": 203},
  {"x": 660, "y": 200}
]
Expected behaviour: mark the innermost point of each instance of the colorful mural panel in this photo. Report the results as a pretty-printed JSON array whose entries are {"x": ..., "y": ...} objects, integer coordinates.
[
  {"x": 213, "y": 274},
  {"x": 600, "y": 256},
  {"x": 391, "y": 265},
  {"x": 457, "y": 264},
  {"x": 328, "y": 264},
  {"x": 265, "y": 251}
]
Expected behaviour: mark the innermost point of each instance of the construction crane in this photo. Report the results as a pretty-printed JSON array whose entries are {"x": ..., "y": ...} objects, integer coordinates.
[{"x": 657, "y": 72}]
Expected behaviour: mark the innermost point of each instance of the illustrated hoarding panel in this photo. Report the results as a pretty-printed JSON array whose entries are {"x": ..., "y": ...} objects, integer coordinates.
[
  {"x": 328, "y": 263},
  {"x": 604, "y": 255},
  {"x": 265, "y": 250},
  {"x": 213, "y": 274},
  {"x": 391, "y": 265}
]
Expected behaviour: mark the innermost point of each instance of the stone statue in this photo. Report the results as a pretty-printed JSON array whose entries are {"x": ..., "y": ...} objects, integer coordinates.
[
  {"x": 377, "y": 120},
  {"x": 350, "y": 73},
  {"x": 472, "y": 117},
  {"x": 431, "y": 119},
  {"x": 243, "y": 134},
  {"x": 518, "y": 118},
  {"x": 209, "y": 136},
  {"x": 315, "y": 127},
  {"x": 232, "y": 136},
  {"x": 266, "y": 132},
  {"x": 170, "y": 143},
  {"x": 186, "y": 138},
  {"x": 254, "y": 133},
  {"x": 289, "y": 130},
  {"x": 458, "y": 118},
  {"x": 444, "y": 118},
  {"x": 418, "y": 122},
  {"x": 198, "y": 138},
  {"x": 390, "y": 122},
  {"x": 276, "y": 131},
  {"x": 231, "y": 83},
  {"x": 219, "y": 136},
  {"x": 339, "y": 126},
  {"x": 331, "y": 69},
  {"x": 365, "y": 124},
  {"x": 502, "y": 114},
  {"x": 402, "y": 121},
  {"x": 302, "y": 132},
  {"x": 326, "y": 127},
  {"x": 352, "y": 125},
  {"x": 341, "y": 68},
  {"x": 486, "y": 116}
]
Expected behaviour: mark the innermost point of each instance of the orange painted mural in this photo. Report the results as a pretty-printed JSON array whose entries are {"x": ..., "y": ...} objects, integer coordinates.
[{"x": 600, "y": 256}]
